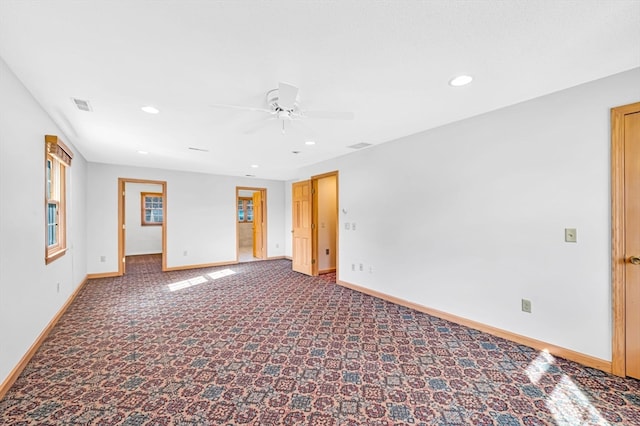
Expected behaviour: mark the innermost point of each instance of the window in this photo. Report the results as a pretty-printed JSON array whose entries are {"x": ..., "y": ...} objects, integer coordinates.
[
  {"x": 245, "y": 209},
  {"x": 57, "y": 159},
  {"x": 151, "y": 208}
]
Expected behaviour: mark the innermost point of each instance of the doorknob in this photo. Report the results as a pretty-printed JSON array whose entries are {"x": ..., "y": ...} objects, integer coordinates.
[{"x": 634, "y": 260}]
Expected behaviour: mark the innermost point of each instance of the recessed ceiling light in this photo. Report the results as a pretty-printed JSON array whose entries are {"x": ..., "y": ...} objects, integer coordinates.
[
  {"x": 309, "y": 143},
  {"x": 143, "y": 152},
  {"x": 254, "y": 166},
  {"x": 461, "y": 80},
  {"x": 150, "y": 110}
]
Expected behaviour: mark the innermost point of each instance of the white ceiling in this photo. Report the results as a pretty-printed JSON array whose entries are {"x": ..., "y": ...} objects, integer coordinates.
[{"x": 387, "y": 61}]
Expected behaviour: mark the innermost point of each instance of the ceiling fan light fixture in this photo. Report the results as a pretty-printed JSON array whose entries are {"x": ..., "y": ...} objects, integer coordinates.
[
  {"x": 150, "y": 109},
  {"x": 461, "y": 80}
]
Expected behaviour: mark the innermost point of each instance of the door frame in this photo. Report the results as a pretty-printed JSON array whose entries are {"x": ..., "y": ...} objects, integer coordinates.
[
  {"x": 618, "y": 350},
  {"x": 121, "y": 222},
  {"x": 314, "y": 221},
  {"x": 263, "y": 191}
]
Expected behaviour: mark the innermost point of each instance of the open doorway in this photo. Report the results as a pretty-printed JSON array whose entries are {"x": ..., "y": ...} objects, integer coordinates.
[
  {"x": 141, "y": 222},
  {"x": 251, "y": 224},
  {"x": 325, "y": 210}
]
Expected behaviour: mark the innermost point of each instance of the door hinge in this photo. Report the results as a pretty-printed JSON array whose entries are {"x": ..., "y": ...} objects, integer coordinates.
[
  {"x": 124, "y": 226},
  {"x": 313, "y": 261},
  {"x": 313, "y": 191},
  {"x": 313, "y": 226}
]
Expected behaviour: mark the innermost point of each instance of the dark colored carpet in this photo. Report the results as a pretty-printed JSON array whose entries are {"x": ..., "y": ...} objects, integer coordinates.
[{"x": 259, "y": 344}]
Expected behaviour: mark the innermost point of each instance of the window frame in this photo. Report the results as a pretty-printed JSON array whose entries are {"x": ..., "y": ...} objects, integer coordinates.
[
  {"x": 143, "y": 208},
  {"x": 57, "y": 160},
  {"x": 244, "y": 201}
]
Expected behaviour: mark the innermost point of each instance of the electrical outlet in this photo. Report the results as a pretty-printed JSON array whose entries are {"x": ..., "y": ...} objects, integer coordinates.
[
  {"x": 526, "y": 306},
  {"x": 353, "y": 266},
  {"x": 353, "y": 226},
  {"x": 570, "y": 235},
  {"x": 103, "y": 259},
  {"x": 185, "y": 253},
  {"x": 361, "y": 267},
  {"x": 327, "y": 251},
  {"x": 347, "y": 226}
]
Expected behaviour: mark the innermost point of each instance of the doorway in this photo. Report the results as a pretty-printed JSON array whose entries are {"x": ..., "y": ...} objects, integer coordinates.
[
  {"x": 625, "y": 191},
  {"x": 314, "y": 220},
  {"x": 251, "y": 224},
  {"x": 141, "y": 219}
]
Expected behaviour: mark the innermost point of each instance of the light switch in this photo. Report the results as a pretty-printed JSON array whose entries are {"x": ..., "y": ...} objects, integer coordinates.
[{"x": 570, "y": 235}]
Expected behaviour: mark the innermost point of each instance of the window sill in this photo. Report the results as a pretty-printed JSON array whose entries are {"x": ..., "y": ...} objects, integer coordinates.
[{"x": 54, "y": 255}]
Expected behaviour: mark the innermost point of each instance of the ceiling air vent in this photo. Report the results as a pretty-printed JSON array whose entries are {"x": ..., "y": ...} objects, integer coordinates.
[
  {"x": 359, "y": 145},
  {"x": 82, "y": 105},
  {"x": 193, "y": 148}
]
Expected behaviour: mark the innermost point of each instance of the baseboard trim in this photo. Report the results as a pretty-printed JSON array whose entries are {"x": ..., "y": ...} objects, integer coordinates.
[
  {"x": 289, "y": 258},
  {"x": 103, "y": 275},
  {"x": 326, "y": 271},
  {"x": 200, "y": 265},
  {"x": 15, "y": 373},
  {"x": 586, "y": 360}
]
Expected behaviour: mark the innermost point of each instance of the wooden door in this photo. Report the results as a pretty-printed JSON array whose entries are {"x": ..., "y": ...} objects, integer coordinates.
[
  {"x": 122, "y": 232},
  {"x": 258, "y": 225},
  {"x": 632, "y": 242},
  {"x": 301, "y": 223}
]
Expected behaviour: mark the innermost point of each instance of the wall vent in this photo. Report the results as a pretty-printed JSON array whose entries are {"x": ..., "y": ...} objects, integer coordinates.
[
  {"x": 359, "y": 145},
  {"x": 82, "y": 105}
]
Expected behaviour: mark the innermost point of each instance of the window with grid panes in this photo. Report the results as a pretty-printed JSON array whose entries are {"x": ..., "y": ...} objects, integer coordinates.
[
  {"x": 57, "y": 159},
  {"x": 151, "y": 208}
]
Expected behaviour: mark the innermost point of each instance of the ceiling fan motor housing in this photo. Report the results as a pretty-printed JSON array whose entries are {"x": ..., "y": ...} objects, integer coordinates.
[{"x": 272, "y": 102}]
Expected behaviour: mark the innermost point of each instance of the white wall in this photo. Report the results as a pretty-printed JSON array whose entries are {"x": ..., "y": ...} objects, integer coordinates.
[
  {"x": 29, "y": 295},
  {"x": 493, "y": 195},
  {"x": 327, "y": 222},
  {"x": 140, "y": 239},
  {"x": 201, "y": 215}
]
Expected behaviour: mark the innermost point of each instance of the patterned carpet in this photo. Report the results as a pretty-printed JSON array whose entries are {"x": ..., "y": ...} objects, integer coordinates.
[{"x": 258, "y": 344}]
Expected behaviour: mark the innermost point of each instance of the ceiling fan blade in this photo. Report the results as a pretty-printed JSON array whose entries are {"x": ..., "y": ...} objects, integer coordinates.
[
  {"x": 287, "y": 95},
  {"x": 243, "y": 108},
  {"x": 329, "y": 115},
  {"x": 260, "y": 125}
]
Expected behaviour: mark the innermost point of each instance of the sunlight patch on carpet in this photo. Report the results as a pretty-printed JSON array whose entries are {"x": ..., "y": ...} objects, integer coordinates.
[
  {"x": 567, "y": 403},
  {"x": 181, "y": 285},
  {"x": 221, "y": 274},
  {"x": 569, "y": 406},
  {"x": 539, "y": 366}
]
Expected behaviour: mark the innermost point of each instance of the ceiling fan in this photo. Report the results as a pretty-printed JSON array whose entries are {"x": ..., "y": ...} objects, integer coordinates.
[{"x": 283, "y": 104}]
